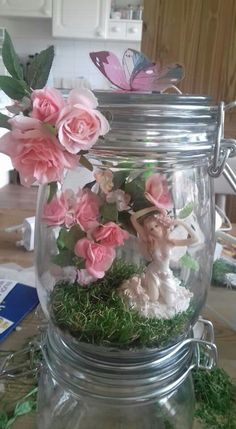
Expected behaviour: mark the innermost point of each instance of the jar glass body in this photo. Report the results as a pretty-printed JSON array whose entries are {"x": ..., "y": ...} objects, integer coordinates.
[
  {"x": 59, "y": 408},
  {"x": 124, "y": 252},
  {"x": 83, "y": 386}
]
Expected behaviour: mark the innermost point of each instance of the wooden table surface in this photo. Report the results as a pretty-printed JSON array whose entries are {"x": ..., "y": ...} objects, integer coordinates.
[{"x": 15, "y": 205}]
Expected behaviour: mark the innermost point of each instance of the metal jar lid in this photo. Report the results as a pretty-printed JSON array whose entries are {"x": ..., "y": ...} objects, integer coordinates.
[{"x": 173, "y": 127}]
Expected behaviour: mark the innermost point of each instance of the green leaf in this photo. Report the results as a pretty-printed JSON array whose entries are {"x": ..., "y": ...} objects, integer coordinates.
[
  {"x": 39, "y": 69},
  {"x": 64, "y": 258},
  {"x": 186, "y": 211},
  {"x": 68, "y": 238},
  {"x": 10, "y": 58},
  {"x": 52, "y": 191},
  {"x": 149, "y": 170},
  {"x": 15, "y": 89},
  {"x": 10, "y": 422},
  {"x": 109, "y": 212},
  {"x": 85, "y": 162},
  {"x": 80, "y": 263},
  {"x": 60, "y": 239},
  {"x": 24, "y": 408},
  {"x": 119, "y": 178},
  {"x": 136, "y": 190},
  {"x": 188, "y": 262},
  {"x": 124, "y": 220},
  {"x": 4, "y": 121},
  {"x": 3, "y": 420},
  {"x": 89, "y": 185}
]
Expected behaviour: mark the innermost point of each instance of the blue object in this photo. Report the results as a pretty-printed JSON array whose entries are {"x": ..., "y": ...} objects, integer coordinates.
[{"x": 18, "y": 303}]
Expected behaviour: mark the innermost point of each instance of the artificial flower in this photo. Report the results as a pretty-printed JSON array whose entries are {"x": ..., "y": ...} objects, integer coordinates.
[
  {"x": 35, "y": 153},
  {"x": 84, "y": 278},
  {"x": 47, "y": 104},
  {"x": 68, "y": 273},
  {"x": 61, "y": 209},
  {"x": 98, "y": 258},
  {"x": 87, "y": 209},
  {"x": 80, "y": 123},
  {"x": 157, "y": 192},
  {"x": 110, "y": 234},
  {"x": 54, "y": 213},
  {"x": 120, "y": 198},
  {"x": 104, "y": 179}
]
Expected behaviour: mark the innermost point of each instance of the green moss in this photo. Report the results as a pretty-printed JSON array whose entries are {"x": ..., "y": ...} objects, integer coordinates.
[
  {"x": 220, "y": 268},
  {"x": 97, "y": 315},
  {"x": 216, "y": 399}
]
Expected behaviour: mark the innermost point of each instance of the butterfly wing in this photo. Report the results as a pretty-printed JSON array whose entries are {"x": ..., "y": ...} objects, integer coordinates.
[
  {"x": 134, "y": 61},
  {"x": 109, "y": 65},
  {"x": 157, "y": 78}
]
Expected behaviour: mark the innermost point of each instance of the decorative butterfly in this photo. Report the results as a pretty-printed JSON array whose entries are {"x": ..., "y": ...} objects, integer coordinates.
[{"x": 137, "y": 72}]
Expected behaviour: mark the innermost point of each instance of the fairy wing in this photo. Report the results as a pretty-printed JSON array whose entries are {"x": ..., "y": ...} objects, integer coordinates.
[
  {"x": 156, "y": 78},
  {"x": 134, "y": 61},
  {"x": 109, "y": 65}
]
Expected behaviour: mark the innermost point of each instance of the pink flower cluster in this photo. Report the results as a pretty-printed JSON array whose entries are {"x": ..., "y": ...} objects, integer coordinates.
[
  {"x": 98, "y": 247},
  {"x": 43, "y": 145}
]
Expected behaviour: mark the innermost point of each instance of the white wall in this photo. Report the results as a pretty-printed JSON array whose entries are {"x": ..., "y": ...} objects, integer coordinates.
[{"x": 71, "y": 56}]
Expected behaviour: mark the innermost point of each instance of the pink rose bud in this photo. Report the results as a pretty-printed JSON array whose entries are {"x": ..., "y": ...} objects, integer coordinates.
[
  {"x": 54, "y": 213},
  {"x": 157, "y": 192},
  {"x": 98, "y": 258},
  {"x": 47, "y": 104},
  {"x": 110, "y": 234},
  {"x": 87, "y": 209}
]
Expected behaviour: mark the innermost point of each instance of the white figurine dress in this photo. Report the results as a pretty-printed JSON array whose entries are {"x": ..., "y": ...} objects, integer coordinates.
[{"x": 157, "y": 293}]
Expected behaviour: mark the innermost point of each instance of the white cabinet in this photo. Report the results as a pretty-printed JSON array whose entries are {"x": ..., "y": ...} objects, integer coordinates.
[
  {"x": 85, "y": 19},
  {"x": 124, "y": 29},
  {"x": 125, "y": 21},
  {"x": 26, "y": 8}
]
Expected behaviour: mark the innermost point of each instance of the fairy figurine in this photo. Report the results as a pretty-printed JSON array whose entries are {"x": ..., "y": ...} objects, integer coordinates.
[{"x": 162, "y": 295}]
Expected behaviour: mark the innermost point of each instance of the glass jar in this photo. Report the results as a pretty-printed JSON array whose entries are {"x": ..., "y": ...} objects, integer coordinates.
[
  {"x": 86, "y": 387},
  {"x": 125, "y": 244}
]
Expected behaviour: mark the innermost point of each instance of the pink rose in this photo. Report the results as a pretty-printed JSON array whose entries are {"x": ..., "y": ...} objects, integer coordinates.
[
  {"x": 87, "y": 209},
  {"x": 84, "y": 278},
  {"x": 98, "y": 258},
  {"x": 104, "y": 179},
  {"x": 54, "y": 213},
  {"x": 157, "y": 192},
  {"x": 35, "y": 152},
  {"x": 120, "y": 198},
  {"x": 60, "y": 210},
  {"x": 47, "y": 104},
  {"x": 80, "y": 124},
  {"x": 110, "y": 234}
]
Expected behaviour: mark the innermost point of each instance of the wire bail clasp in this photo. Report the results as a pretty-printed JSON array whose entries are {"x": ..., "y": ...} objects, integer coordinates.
[
  {"x": 205, "y": 353},
  {"x": 21, "y": 363},
  {"x": 223, "y": 149}
]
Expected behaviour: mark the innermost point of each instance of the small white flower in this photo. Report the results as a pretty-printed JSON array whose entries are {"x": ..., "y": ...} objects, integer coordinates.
[{"x": 120, "y": 198}]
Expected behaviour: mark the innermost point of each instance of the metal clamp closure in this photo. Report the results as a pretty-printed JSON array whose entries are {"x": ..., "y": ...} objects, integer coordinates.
[
  {"x": 223, "y": 149},
  {"x": 21, "y": 363}
]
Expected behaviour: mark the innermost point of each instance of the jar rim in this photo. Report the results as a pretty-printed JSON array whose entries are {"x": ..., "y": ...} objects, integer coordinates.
[
  {"x": 141, "y": 99},
  {"x": 81, "y": 371},
  {"x": 148, "y": 125}
]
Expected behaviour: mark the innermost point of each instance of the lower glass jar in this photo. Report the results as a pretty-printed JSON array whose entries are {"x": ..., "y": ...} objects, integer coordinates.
[{"x": 86, "y": 387}]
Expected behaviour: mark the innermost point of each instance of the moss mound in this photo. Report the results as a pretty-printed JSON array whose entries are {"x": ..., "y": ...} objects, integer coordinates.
[{"x": 97, "y": 315}]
